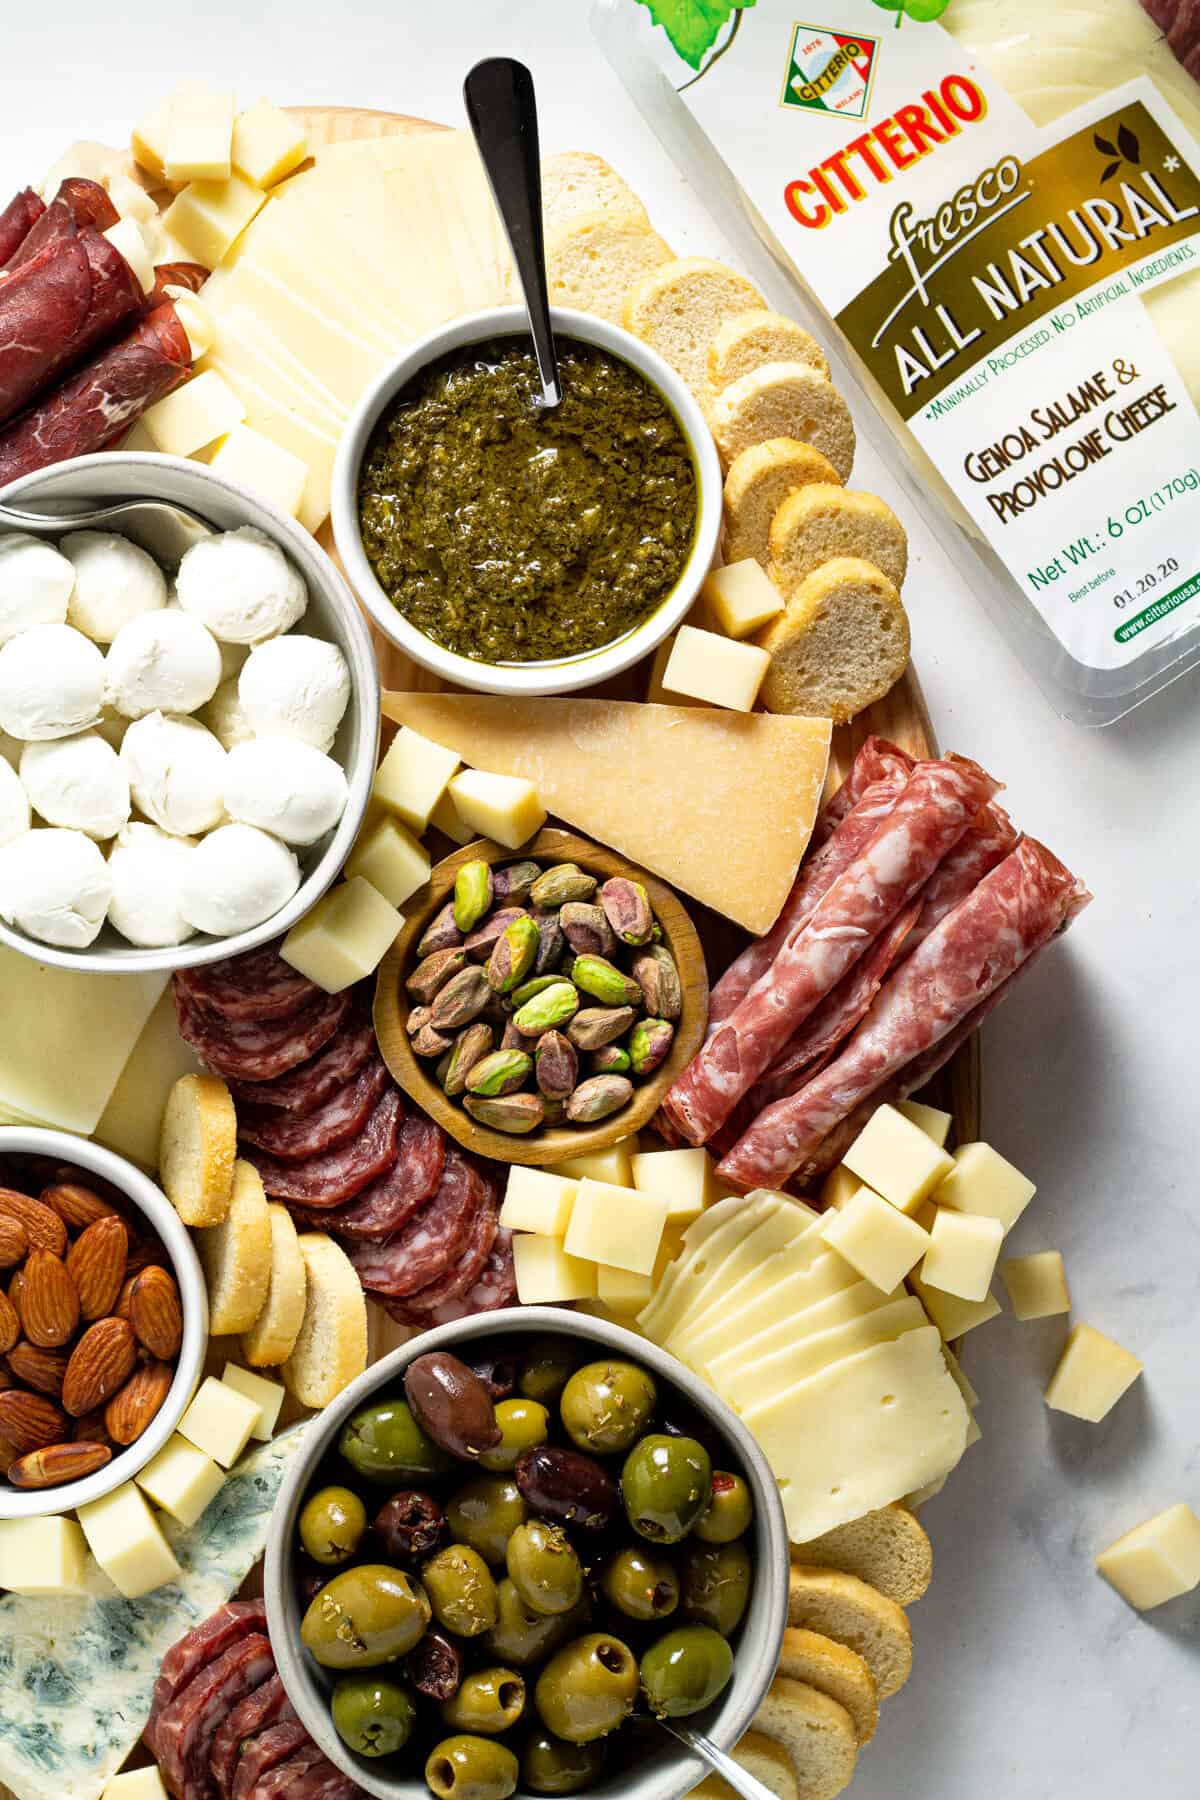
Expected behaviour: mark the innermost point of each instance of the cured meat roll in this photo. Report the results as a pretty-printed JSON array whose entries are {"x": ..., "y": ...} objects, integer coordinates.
[
  {"x": 77, "y": 204},
  {"x": 57, "y": 307},
  {"x": 17, "y": 221},
  {"x": 988, "y": 839}
]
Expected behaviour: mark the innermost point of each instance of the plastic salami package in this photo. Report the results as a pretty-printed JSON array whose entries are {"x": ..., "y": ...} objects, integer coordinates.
[{"x": 994, "y": 206}]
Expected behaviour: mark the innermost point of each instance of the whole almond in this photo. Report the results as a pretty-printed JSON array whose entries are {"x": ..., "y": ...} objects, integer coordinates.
[
  {"x": 42, "y": 1370},
  {"x": 10, "y": 1325},
  {"x": 49, "y": 1301},
  {"x": 42, "y": 1226},
  {"x": 130, "y": 1411},
  {"x": 14, "y": 1292},
  {"x": 156, "y": 1313},
  {"x": 58, "y": 1463},
  {"x": 14, "y": 1243},
  {"x": 6, "y": 1381},
  {"x": 121, "y": 1309},
  {"x": 77, "y": 1207},
  {"x": 96, "y": 1264},
  {"x": 101, "y": 1362},
  {"x": 30, "y": 1422},
  {"x": 146, "y": 1253},
  {"x": 91, "y": 1428}
]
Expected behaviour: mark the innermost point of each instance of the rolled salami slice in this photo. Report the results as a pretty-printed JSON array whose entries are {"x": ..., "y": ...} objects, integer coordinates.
[
  {"x": 337, "y": 1175},
  {"x": 256, "y": 1050},
  {"x": 433, "y": 1239},
  {"x": 17, "y": 221},
  {"x": 294, "y": 1140},
  {"x": 256, "y": 985},
  {"x": 79, "y": 202},
  {"x": 188, "y": 1726},
  {"x": 387, "y": 1205},
  {"x": 1022, "y": 903},
  {"x": 277, "y": 1745},
  {"x": 938, "y": 802},
  {"x": 874, "y": 759},
  {"x": 303, "y": 1089},
  {"x": 236, "y": 1620},
  {"x": 988, "y": 839},
  {"x": 464, "y": 1273},
  {"x": 57, "y": 307}
]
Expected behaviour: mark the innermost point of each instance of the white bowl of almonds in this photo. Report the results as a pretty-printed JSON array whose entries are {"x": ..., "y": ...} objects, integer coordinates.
[{"x": 105, "y": 1336}]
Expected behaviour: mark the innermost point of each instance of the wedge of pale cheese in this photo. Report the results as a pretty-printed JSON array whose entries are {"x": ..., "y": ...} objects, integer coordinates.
[
  {"x": 755, "y": 1383},
  {"x": 131, "y": 1123},
  {"x": 720, "y": 804}
]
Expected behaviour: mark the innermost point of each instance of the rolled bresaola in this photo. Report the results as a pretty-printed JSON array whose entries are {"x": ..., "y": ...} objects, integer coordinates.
[
  {"x": 188, "y": 275},
  {"x": 938, "y": 802},
  {"x": 57, "y": 307},
  {"x": 17, "y": 221},
  {"x": 78, "y": 203},
  {"x": 1019, "y": 906}
]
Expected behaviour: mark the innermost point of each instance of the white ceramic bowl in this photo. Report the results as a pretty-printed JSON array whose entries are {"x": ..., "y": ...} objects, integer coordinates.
[
  {"x": 332, "y": 614},
  {"x": 152, "y": 1203},
  {"x": 563, "y": 674}
]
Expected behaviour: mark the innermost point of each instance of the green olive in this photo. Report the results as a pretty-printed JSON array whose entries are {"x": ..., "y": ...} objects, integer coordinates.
[
  {"x": 685, "y": 1671},
  {"x": 606, "y": 1406},
  {"x": 461, "y": 1590},
  {"x": 549, "y": 1363},
  {"x": 489, "y": 1701},
  {"x": 665, "y": 1485},
  {"x": 639, "y": 1584},
  {"x": 373, "y": 1716},
  {"x": 716, "y": 1585},
  {"x": 365, "y": 1616},
  {"x": 588, "y": 1688},
  {"x": 730, "y": 1510},
  {"x": 332, "y": 1524},
  {"x": 521, "y": 1636},
  {"x": 549, "y": 1765},
  {"x": 524, "y": 1424},
  {"x": 484, "y": 1513},
  {"x": 471, "y": 1768},
  {"x": 385, "y": 1443},
  {"x": 544, "y": 1567}
]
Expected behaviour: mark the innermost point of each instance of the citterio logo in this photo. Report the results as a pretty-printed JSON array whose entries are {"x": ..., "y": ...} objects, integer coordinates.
[{"x": 830, "y": 72}]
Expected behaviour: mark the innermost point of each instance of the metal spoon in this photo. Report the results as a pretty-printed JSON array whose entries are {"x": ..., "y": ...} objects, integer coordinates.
[
  {"x": 160, "y": 527},
  {"x": 738, "y": 1778},
  {"x": 503, "y": 114}
]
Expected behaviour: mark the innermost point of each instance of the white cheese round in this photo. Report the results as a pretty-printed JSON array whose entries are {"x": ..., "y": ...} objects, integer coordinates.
[
  {"x": 35, "y": 584},
  {"x": 242, "y": 586},
  {"x": 237, "y": 877},
  {"x": 148, "y": 867},
  {"x": 78, "y": 782},
  {"x": 225, "y": 716},
  {"x": 297, "y": 687},
  {"x": 51, "y": 683},
  {"x": 161, "y": 662},
  {"x": 284, "y": 787},
  {"x": 55, "y": 886},
  {"x": 14, "y": 805},
  {"x": 176, "y": 773},
  {"x": 115, "y": 581}
]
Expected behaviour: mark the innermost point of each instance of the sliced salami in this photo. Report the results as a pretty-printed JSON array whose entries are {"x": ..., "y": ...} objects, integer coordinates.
[
  {"x": 293, "y": 1139},
  {"x": 431, "y": 1242},
  {"x": 327, "y": 1180},
  {"x": 874, "y": 759},
  {"x": 303, "y": 1089},
  {"x": 495, "y": 1288},
  {"x": 230, "y": 1623},
  {"x": 387, "y": 1205},
  {"x": 986, "y": 841},
  {"x": 257, "y": 985},
  {"x": 309, "y": 1775},
  {"x": 463, "y": 1273},
  {"x": 190, "y": 1723},
  {"x": 268, "y": 1705},
  {"x": 271, "y": 1748},
  {"x": 256, "y": 1051}
]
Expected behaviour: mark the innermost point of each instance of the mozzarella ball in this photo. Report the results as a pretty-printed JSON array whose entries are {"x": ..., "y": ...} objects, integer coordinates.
[
  {"x": 161, "y": 662},
  {"x": 284, "y": 787},
  {"x": 296, "y": 687},
  {"x": 237, "y": 877},
  {"x": 242, "y": 586},
  {"x": 115, "y": 581},
  {"x": 35, "y": 584},
  {"x": 14, "y": 805},
  {"x": 147, "y": 867},
  {"x": 78, "y": 782},
  {"x": 176, "y": 773},
  {"x": 51, "y": 683},
  {"x": 225, "y": 717},
  {"x": 55, "y": 886}
]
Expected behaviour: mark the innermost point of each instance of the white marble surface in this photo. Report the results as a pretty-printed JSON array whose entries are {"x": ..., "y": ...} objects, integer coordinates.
[{"x": 1032, "y": 1680}]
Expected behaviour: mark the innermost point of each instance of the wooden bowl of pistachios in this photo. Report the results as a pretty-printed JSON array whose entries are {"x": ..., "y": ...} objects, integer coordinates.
[{"x": 540, "y": 1002}]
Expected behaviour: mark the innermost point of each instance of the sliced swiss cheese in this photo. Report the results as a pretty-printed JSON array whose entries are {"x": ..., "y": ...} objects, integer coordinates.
[
  {"x": 791, "y": 1271},
  {"x": 757, "y": 1382},
  {"x": 716, "y": 1231},
  {"x": 711, "y": 1275},
  {"x": 720, "y": 804},
  {"x": 803, "y": 1298}
]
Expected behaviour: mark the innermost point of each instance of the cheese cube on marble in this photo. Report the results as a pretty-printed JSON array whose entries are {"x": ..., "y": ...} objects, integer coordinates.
[
  {"x": 124, "y": 1537},
  {"x": 148, "y": 140},
  {"x": 546, "y": 1275},
  {"x": 42, "y": 1556},
  {"x": 181, "y": 1479},
  {"x": 683, "y": 1178},
  {"x": 267, "y": 144},
  {"x": 930, "y": 1119},
  {"x": 1157, "y": 1561},
  {"x": 897, "y": 1159},
  {"x": 621, "y": 1291},
  {"x": 203, "y": 409},
  {"x": 344, "y": 938},
  {"x": 136, "y": 1784},
  {"x": 875, "y": 1238},
  {"x": 1037, "y": 1284},
  {"x": 412, "y": 777},
  {"x": 982, "y": 1181},
  {"x": 715, "y": 669},
  {"x": 1093, "y": 1373},
  {"x": 257, "y": 462},
  {"x": 538, "y": 1200},
  {"x": 219, "y": 1421},
  {"x": 614, "y": 1164},
  {"x": 208, "y": 217},
  {"x": 962, "y": 1254},
  {"x": 616, "y": 1225},
  {"x": 503, "y": 807},
  {"x": 741, "y": 597},
  {"x": 952, "y": 1316},
  {"x": 391, "y": 859},
  {"x": 444, "y": 818},
  {"x": 268, "y": 1396},
  {"x": 199, "y": 133}
]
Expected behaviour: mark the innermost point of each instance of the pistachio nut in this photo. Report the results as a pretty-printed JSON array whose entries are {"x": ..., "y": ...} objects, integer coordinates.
[
  {"x": 610, "y": 1059},
  {"x": 511, "y": 884},
  {"x": 596, "y": 1026},
  {"x": 516, "y": 1040},
  {"x": 556, "y": 1064},
  {"x": 478, "y": 943},
  {"x": 513, "y": 955},
  {"x": 565, "y": 881},
  {"x": 537, "y": 984},
  {"x": 605, "y": 982},
  {"x": 649, "y": 1043},
  {"x": 656, "y": 973},
  {"x": 429, "y": 1041},
  {"x": 518, "y": 1113},
  {"x": 627, "y": 908},
  {"x": 476, "y": 1041},
  {"x": 586, "y": 929},
  {"x": 553, "y": 1006},
  {"x": 550, "y": 940},
  {"x": 553, "y": 1112},
  {"x": 597, "y": 1098},
  {"x": 418, "y": 1018},
  {"x": 462, "y": 999},
  {"x": 433, "y": 973},
  {"x": 503, "y": 1072},
  {"x": 472, "y": 894},
  {"x": 441, "y": 933}
]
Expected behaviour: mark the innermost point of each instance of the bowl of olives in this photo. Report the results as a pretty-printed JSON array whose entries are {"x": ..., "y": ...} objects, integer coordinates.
[{"x": 507, "y": 1548}]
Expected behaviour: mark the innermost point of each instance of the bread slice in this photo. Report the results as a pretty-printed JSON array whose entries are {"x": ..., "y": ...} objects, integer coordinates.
[
  {"x": 824, "y": 520},
  {"x": 758, "y": 482},
  {"x": 853, "y": 1613},
  {"x": 236, "y": 1255},
  {"x": 746, "y": 340},
  {"x": 331, "y": 1349},
  {"x": 784, "y": 399},
  {"x": 887, "y": 1548},
  {"x": 197, "y": 1149},
  {"x": 594, "y": 260},
  {"x": 576, "y": 184},
  {"x": 837, "y": 1671},
  {"x": 816, "y": 1732},
  {"x": 841, "y": 642},
  {"x": 678, "y": 309},
  {"x": 761, "y": 1757},
  {"x": 271, "y": 1337}
]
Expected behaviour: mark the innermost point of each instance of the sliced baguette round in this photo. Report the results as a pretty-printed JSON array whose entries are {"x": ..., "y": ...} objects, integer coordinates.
[
  {"x": 853, "y": 1613},
  {"x": 761, "y": 1757},
  {"x": 197, "y": 1149},
  {"x": 331, "y": 1349},
  {"x": 824, "y": 520},
  {"x": 593, "y": 261},
  {"x": 817, "y": 1734},
  {"x": 746, "y": 340},
  {"x": 887, "y": 1548},
  {"x": 236, "y": 1255},
  {"x": 576, "y": 184},
  {"x": 784, "y": 399},
  {"x": 841, "y": 642},
  {"x": 271, "y": 1337},
  {"x": 678, "y": 309},
  {"x": 837, "y": 1671},
  {"x": 758, "y": 482}
]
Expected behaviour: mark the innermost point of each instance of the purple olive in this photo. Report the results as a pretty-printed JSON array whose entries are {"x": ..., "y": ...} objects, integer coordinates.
[
  {"x": 435, "y": 1667},
  {"x": 567, "y": 1486},
  {"x": 452, "y": 1405},
  {"x": 498, "y": 1374},
  {"x": 409, "y": 1525}
]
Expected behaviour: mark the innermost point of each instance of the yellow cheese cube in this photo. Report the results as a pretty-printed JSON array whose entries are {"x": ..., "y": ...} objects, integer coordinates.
[
  {"x": 42, "y": 1556},
  {"x": 546, "y": 1275},
  {"x": 148, "y": 141},
  {"x": 136, "y": 1784},
  {"x": 741, "y": 598},
  {"x": 199, "y": 133},
  {"x": 124, "y": 1537},
  {"x": 1092, "y": 1374},
  {"x": 130, "y": 198},
  {"x": 929, "y": 1119},
  {"x": 656, "y": 693},
  {"x": 538, "y": 1200},
  {"x": 344, "y": 938},
  {"x": 203, "y": 409},
  {"x": 268, "y": 1396},
  {"x": 1157, "y": 1561},
  {"x": 982, "y": 1181},
  {"x": 208, "y": 217},
  {"x": 391, "y": 859},
  {"x": 444, "y": 818},
  {"x": 1037, "y": 1284},
  {"x": 219, "y": 1421},
  {"x": 952, "y": 1316},
  {"x": 962, "y": 1254},
  {"x": 129, "y": 240},
  {"x": 876, "y": 1239},
  {"x": 897, "y": 1159},
  {"x": 199, "y": 330},
  {"x": 616, "y": 1225},
  {"x": 181, "y": 1479},
  {"x": 715, "y": 669},
  {"x": 683, "y": 1178},
  {"x": 840, "y": 1185},
  {"x": 412, "y": 777},
  {"x": 621, "y": 1291},
  {"x": 257, "y": 462},
  {"x": 267, "y": 144},
  {"x": 615, "y": 1164},
  {"x": 503, "y": 807}
]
